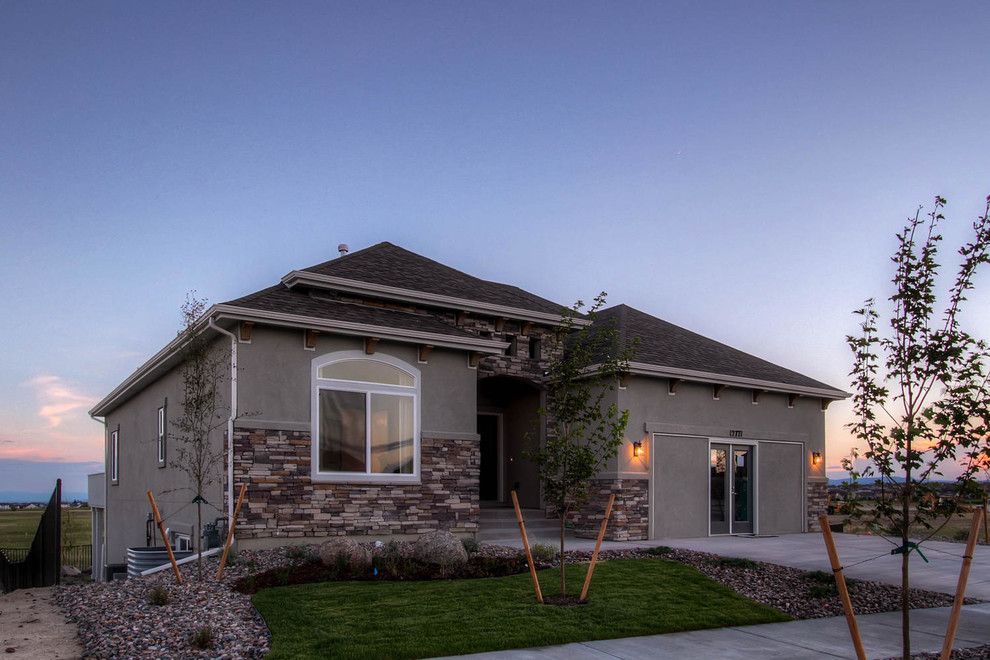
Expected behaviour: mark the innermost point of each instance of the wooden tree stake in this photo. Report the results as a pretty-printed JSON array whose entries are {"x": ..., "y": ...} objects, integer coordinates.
[
  {"x": 161, "y": 528},
  {"x": 529, "y": 554},
  {"x": 230, "y": 531},
  {"x": 986, "y": 523},
  {"x": 950, "y": 631},
  {"x": 840, "y": 583},
  {"x": 598, "y": 546}
]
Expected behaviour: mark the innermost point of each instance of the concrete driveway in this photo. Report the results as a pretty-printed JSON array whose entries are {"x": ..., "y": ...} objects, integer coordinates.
[
  {"x": 807, "y": 551},
  {"x": 810, "y": 638}
]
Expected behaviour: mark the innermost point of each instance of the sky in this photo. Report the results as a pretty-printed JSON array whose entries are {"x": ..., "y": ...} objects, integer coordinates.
[{"x": 736, "y": 168}]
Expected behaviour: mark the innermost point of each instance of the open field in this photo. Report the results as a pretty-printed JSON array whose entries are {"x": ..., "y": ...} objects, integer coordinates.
[
  {"x": 444, "y": 617},
  {"x": 956, "y": 528},
  {"x": 17, "y": 527}
]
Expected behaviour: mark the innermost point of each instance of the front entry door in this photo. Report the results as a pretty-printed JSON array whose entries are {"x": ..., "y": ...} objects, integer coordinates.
[
  {"x": 490, "y": 467},
  {"x": 731, "y": 486}
]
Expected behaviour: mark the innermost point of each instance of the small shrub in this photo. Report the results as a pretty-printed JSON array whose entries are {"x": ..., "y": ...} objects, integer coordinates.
[
  {"x": 471, "y": 545},
  {"x": 202, "y": 638},
  {"x": 158, "y": 596},
  {"x": 738, "y": 562},
  {"x": 297, "y": 552},
  {"x": 544, "y": 552},
  {"x": 660, "y": 550},
  {"x": 823, "y": 577},
  {"x": 822, "y": 591},
  {"x": 824, "y": 585}
]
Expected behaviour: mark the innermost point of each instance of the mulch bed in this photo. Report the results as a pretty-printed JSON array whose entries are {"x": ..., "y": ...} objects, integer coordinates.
[{"x": 116, "y": 620}]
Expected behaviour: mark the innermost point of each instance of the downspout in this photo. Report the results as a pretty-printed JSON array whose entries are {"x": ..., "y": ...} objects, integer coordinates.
[{"x": 230, "y": 421}]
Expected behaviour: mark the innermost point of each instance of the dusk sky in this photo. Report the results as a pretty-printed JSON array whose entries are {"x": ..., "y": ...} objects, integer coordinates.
[{"x": 736, "y": 168}]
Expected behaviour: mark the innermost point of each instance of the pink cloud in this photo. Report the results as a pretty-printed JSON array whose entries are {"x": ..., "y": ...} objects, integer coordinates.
[{"x": 56, "y": 399}]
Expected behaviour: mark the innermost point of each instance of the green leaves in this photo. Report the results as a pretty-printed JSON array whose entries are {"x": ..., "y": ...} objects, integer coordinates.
[{"x": 920, "y": 397}]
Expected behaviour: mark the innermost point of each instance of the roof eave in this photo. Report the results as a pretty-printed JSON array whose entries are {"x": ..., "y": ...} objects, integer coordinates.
[
  {"x": 644, "y": 369},
  {"x": 171, "y": 350},
  {"x": 163, "y": 357},
  {"x": 318, "y": 280}
]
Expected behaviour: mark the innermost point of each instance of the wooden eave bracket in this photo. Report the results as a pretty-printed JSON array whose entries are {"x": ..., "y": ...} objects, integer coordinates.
[
  {"x": 527, "y": 327},
  {"x": 500, "y": 324},
  {"x": 825, "y": 403},
  {"x": 791, "y": 398},
  {"x": 424, "y": 352},
  {"x": 623, "y": 380},
  {"x": 370, "y": 345},
  {"x": 311, "y": 336},
  {"x": 474, "y": 359},
  {"x": 244, "y": 331},
  {"x": 717, "y": 390},
  {"x": 672, "y": 385},
  {"x": 756, "y": 395},
  {"x": 461, "y": 318}
]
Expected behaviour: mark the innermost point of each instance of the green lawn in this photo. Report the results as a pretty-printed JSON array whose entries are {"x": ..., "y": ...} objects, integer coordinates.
[
  {"x": 448, "y": 617},
  {"x": 17, "y": 528}
]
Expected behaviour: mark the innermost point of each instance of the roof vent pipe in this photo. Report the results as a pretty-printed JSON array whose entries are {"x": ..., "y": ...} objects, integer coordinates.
[{"x": 343, "y": 249}]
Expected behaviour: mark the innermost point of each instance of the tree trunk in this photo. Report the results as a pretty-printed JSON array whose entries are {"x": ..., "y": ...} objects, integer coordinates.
[
  {"x": 199, "y": 540},
  {"x": 905, "y": 559},
  {"x": 563, "y": 582}
]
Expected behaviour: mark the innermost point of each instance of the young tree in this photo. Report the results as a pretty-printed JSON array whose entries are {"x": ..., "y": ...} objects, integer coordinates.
[
  {"x": 583, "y": 433},
  {"x": 920, "y": 390},
  {"x": 203, "y": 373}
]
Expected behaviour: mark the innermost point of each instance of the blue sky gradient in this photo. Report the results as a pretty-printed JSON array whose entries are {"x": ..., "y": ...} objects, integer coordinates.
[{"x": 736, "y": 168}]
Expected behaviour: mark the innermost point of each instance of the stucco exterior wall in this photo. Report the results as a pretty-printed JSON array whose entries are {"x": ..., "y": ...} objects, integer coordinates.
[
  {"x": 127, "y": 505},
  {"x": 679, "y": 454},
  {"x": 274, "y": 380}
]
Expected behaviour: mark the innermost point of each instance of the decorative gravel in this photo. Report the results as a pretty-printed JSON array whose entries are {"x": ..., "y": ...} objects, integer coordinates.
[
  {"x": 973, "y": 653},
  {"x": 116, "y": 620}
]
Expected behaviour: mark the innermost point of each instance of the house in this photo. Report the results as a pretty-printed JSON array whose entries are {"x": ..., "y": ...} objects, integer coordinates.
[{"x": 383, "y": 394}]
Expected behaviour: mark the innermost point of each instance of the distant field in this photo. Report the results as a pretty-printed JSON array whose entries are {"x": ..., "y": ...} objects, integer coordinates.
[{"x": 17, "y": 527}]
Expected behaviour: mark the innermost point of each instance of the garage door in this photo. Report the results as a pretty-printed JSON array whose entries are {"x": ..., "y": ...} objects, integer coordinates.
[
  {"x": 780, "y": 487},
  {"x": 680, "y": 486}
]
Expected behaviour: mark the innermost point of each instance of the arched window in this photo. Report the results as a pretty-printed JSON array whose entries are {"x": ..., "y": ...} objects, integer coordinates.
[{"x": 365, "y": 419}]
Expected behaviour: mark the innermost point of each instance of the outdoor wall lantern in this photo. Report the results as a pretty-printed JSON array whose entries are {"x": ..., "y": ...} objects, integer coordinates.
[
  {"x": 637, "y": 448},
  {"x": 816, "y": 457}
]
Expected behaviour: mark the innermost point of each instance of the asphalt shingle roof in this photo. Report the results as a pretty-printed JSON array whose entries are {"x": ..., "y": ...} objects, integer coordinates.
[
  {"x": 390, "y": 265},
  {"x": 280, "y": 298},
  {"x": 664, "y": 344}
]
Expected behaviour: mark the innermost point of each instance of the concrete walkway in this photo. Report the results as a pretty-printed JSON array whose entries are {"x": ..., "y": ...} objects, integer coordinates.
[
  {"x": 812, "y": 638},
  {"x": 31, "y": 626},
  {"x": 807, "y": 552}
]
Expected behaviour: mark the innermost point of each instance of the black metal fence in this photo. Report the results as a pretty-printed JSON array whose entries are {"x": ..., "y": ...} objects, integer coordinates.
[
  {"x": 79, "y": 556},
  {"x": 41, "y": 566}
]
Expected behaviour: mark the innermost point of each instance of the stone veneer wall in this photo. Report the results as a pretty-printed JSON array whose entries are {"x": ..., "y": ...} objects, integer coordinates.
[
  {"x": 816, "y": 493},
  {"x": 283, "y": 502},
  {"x": 630, "y": 519}
]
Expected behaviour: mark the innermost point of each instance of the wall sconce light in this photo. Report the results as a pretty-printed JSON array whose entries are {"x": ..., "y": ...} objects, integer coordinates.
[
  {"x": 637, "y": 448},
  {"x": 816, "y": 457}
]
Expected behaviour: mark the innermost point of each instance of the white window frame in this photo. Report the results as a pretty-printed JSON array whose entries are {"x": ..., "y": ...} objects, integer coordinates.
[
  {"x": 161, "y": 435},
  {"x": 115, "y": 455},
  {"x": 317, "y": 384}
]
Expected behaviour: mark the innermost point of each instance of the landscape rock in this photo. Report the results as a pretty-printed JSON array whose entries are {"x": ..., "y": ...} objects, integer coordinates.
[
  {"x": 70, "y": 571},
  {"x": 440, "y": 548},
  {"x": 344, "y": 549}
]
